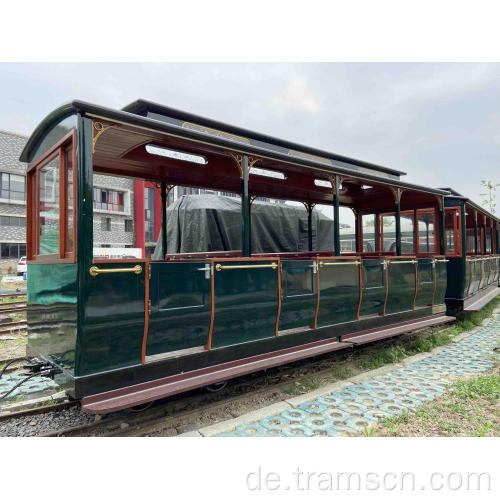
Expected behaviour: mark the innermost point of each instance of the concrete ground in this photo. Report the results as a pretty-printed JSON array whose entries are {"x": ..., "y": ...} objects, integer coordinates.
[{"x": 353, "y": 406}]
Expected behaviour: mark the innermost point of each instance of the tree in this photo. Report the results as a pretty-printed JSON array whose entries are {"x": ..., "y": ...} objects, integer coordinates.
[{"x": 490, "y": 201}]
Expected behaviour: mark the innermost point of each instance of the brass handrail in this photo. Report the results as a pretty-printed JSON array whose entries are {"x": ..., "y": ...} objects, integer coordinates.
[
  {"x": 441, "y": 260},
  {"x": 94, "y": 270},
  {"x": 402, "y": 261},
  {"x": 351, "y": 263},
  {"x": 220, "y": 267}
]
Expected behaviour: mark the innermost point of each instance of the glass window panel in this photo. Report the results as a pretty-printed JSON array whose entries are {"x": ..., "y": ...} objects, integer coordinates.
[
  {"x": 389, "y": 233},
  {"x": 69, "y": 200},
  {"x": 407, "y": 234},
  {"x": 49, "y": 208},
  {"x": 368, "y": 227},
  {"x": 426, "y": 231},
  {"x": 22, "y": 250}
]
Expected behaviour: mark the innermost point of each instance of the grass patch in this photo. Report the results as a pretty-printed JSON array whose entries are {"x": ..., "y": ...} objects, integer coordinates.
[
  {"x": 470, "y": 409},
  {"x": 302, "y": 386},
  {"x": 486, "y": 386},
  {"x": 341, "y": 372}
]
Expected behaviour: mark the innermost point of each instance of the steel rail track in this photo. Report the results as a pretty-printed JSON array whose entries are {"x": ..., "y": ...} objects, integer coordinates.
[
  {"x": 39, "y": 410},
  {"x": 10, "y": 309}
]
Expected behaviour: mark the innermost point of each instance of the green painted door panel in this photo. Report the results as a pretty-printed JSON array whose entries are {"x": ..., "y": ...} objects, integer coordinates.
[
  {"x": 246, "y": 303},
  {"x": 52, "y": 312},
  {"x": 425, "y": 290},
  {"x": 373, "y": 287},
  {"x": 441, "y": 283},
  {"x": 180, "y": 306},
  {"x": 339, "y": 292},
  {"x": 298, "y": 294},
  {"x": 401, "y": 287},
  {"x": 113, "y": 326}
]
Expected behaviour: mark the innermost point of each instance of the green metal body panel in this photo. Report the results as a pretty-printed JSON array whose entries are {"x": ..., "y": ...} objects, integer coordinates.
[
  {"x": 456, "y": 281},
  {"x": 425, "y": 289},
  {"x": 113, "y": 327},
  {"x": 51, "y": 313},
  {"x": 180, "y": 306},
  {"x": 298, "y": 294},
  {"x": 441, "y": 283},
  {"x": 246, "y": 303},
  {"x": 401, "y": 287},
  {"x": 373, "y": 287},
  {"x": 339, "y": 293}
]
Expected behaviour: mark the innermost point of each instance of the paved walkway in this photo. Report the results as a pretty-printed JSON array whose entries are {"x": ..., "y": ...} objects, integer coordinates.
[
  {"x": 359, "y": 405},
  {"x": 32, "y": 386}
]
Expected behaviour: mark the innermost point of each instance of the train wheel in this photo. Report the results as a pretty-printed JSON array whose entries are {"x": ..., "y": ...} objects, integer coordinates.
[{"x": 216, "y": 387}]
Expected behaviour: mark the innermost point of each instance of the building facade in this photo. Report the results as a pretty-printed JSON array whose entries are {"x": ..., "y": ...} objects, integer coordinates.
[{"x": 12, "y": 196}]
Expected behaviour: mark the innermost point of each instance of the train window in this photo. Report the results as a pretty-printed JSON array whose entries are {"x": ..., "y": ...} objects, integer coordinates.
[
  {"x": 368, "y": 225},
  {"x": 470, "y": 240},
  {"x": 407, "y": 233},
  {"x": 388, "y": 232},
  {"x": 51, "y": 203},
  {"x": 488, "y": 240},
  {"x": 347, "y": 230},
  {"x": 452, "y": 232},
  {"x": 48, "y": 207},
  {"x": 426, "y": 221}
]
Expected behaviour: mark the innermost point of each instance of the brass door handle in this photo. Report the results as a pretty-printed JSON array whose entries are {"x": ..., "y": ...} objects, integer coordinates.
[
  {"x": 94, "y": 270},
  {"x": 220, "y": 267}
]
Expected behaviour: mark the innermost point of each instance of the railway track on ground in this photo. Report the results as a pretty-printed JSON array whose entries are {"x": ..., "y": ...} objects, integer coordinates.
[
  {"x": 12, "y": 327},
  {"x": 13, "y": 307},
  {"x": 187, "y": 411}
]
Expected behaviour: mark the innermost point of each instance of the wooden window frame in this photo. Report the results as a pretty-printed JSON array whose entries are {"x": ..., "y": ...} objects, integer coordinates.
[
  {"x": 457, "y": 231},
  {"x": 60, "y": 149},
  {"x": 417, "y": 232}
]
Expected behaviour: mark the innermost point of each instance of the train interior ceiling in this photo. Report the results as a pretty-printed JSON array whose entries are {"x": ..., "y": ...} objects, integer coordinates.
[{"x": 124, "y": 151}]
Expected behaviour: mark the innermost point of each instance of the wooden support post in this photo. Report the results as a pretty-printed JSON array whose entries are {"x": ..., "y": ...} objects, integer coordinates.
[
  {"x": 398, "y": 221},
  {"x": 476, "y": 240},
  {"x": 357, "y": 222},
  {"x": 245, "y": 210},
  {"x": 442, "y": 247},
  {"x": 309, "y": 208},
  {"x": 336, "y": 217},
  {"x": 163, "y": 194}
]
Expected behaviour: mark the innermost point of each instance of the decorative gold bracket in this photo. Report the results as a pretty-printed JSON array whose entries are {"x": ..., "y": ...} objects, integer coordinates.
[
  {"x": 98, "y": 128},
  {"x": 238, "y": 159},
  {"x": 397, "y": 193},
  {"x": 309, "y": 206}
]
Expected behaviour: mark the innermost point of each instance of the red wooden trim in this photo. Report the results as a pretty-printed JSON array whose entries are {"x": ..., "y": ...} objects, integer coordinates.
[
  {"x": 35, "y": 163},
  {"x": 360, "y": 288},
  {"x": 278, "y": 314},
  {"x": 386, "y": 288},
  {"x": 146, "y": 312},
  {"x": 315, "y": 324},
  {"x": 139, "y": 220},
  {"x": 62, "y": 203},
  {"x": 29, "y": 217},
  {"x": 416, "y": 285},
  {"x": 212, "y": 306}
]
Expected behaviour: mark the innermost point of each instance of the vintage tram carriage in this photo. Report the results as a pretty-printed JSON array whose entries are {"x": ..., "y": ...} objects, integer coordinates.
[{"x": 126, "y": 331}]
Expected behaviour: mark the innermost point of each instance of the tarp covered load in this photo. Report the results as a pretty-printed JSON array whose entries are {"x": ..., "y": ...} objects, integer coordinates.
[{"x": 210, "y": 223}]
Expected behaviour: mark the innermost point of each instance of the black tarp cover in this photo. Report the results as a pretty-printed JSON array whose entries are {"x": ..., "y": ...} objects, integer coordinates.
[{"x": 211, "y": 223}]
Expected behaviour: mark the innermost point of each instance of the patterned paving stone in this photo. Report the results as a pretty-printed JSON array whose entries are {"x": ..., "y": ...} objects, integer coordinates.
[
  {"x": 349, "y": 411},
  {"x": 33, "y": 385}
]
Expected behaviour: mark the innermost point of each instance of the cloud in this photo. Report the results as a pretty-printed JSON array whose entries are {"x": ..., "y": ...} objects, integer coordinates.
[{"x": 297, "y": 96}]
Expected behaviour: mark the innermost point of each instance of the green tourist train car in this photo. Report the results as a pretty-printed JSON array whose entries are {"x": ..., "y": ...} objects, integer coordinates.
[{"x": 124, "y": 331}]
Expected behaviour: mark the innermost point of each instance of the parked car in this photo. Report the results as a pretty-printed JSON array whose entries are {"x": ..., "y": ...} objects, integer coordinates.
[{"x": 21, "y": 266}]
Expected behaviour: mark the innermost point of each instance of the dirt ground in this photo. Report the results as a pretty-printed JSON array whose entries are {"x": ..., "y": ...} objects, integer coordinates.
[{"x": 472, "y": 408}]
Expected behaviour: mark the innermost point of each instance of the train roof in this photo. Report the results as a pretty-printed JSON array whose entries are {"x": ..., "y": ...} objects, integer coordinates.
[
  {"x": 151, "y": 116},
  {"x": 455, "y": 194}
]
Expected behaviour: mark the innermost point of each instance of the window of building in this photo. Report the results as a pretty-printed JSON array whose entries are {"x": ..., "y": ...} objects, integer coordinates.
[
  {"x": 12, "y": 186},
  {"x": 149, "y": 215},
  {"x": 105, "y": 223},
  {"x": 129, "y": 226},
  {"x": 452, "y": 232},
  {"x": 12, "y": 251},
  {"x": 109, "y": 199},
  {"x": 13, "y": 221}
]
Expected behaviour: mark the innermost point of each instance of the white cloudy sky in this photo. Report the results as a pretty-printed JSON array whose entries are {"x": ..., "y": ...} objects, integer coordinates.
[{"x": 438, "y": 122}]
